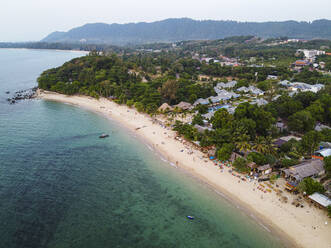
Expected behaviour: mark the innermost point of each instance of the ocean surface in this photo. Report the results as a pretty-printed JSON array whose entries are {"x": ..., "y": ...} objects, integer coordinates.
[{"x": 62, "y": 186}]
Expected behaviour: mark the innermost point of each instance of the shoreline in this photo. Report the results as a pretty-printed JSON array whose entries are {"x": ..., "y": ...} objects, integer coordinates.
[
  {"x": 47, "y": 49},
  {"x": 293, "y": 226}
]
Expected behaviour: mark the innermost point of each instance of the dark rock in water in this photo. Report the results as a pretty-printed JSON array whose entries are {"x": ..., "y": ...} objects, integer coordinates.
[
  {"x": 102, "y": 136},
  {"x": 7, "y": 92},
  {"x": 22, "y": 95}
]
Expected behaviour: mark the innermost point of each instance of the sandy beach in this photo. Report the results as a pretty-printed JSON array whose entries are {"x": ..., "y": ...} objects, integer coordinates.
[{"x": 304, "y": 227}]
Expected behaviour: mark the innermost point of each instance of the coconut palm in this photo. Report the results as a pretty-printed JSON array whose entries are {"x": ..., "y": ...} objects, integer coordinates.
[
  {"x": 260, "y": 145},
  {"x": 243, "y": 145}
]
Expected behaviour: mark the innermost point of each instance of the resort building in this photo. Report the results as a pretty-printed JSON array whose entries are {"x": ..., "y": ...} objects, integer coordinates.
[
  {"x": 264, "y": 169},
  {"x": 323, "y": 153},
  {"x": 282, "y": 140},
  {"x": 310, "y": 168},
  {"x": 165, "y": 107},
  {"x": 225, "y": 85},
  {"x": 320, "y": 199},
  {"x": 252, "y": 89},
  {"x": 184, "y": 105}
]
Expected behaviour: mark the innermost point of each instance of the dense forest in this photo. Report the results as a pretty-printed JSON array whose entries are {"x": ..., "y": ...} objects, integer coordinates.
[{"x": 172, "y": 30}]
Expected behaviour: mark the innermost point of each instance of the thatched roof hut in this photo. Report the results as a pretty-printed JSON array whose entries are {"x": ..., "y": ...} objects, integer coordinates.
[
  {"x": 165, "y": 107},
  {"x": 184, "y": 105}
]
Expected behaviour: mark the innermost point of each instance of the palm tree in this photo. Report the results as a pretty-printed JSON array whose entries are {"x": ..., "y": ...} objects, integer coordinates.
[
  {"x": 243, "y": 145},
  {"x": 260, "y": 145},
  {"x": 270, "y": 146}
]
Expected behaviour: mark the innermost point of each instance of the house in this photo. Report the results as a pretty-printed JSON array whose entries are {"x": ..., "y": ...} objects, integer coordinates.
[
  {"x": 320, "y": 199},
  {"x": 323, "y": 153},
  {"x": 202, "y": 129},
  {"x": 322, "y": 64},
  {"x": 309, "y": 168},
  {"x": 222, "y": 85},
  {"x": 201, "y": 101},
  {"x": 273, "y": 77},
  {"x": 259, "y": 102},
  {"x": 165, "y": 107},
  {"x": 251, "y": 89},
  {"x": 252, "y": 165},
  {"x": 209, "y": 115},
  {"x": 319, "y": 127},
  {"x": 184, "y": 105},
  {"x": 311, "y": 54},
  {"x": 299, "y": 64},
  {"x": 280, "y": 125},
  {"x": 282, "y": 140},
  {"x": 264, "y": 169},
  {"x": 234, "y": 156}
]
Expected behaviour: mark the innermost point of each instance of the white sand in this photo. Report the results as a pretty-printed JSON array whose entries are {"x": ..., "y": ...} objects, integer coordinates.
[{"x": 304, "y": 226}]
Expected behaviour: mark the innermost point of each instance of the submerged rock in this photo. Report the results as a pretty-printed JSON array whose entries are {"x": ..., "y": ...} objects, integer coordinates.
[{"x": 23, "y": 95}]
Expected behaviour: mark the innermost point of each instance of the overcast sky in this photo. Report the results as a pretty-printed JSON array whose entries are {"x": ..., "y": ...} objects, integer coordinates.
[{"x": 31, "y": 20}]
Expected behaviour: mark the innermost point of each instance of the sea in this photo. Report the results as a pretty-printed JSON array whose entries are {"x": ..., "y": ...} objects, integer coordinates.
[{"x": 62, "y": 186}]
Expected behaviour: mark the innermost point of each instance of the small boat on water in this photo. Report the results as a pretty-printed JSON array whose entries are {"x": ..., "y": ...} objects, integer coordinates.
[
  {"x": 102, "y": 136},
  {"x": 190, "y": 217}
]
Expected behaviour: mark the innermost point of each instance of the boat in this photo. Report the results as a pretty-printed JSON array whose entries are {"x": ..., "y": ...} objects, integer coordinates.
[
  {"x": 190, "y": 217},
  {"x": 102, "y": 136}
]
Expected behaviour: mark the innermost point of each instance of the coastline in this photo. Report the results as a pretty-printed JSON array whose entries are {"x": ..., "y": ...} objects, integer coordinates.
[
  {"x": 47, "y": 49},
  {"x": 293, "y": 225}
]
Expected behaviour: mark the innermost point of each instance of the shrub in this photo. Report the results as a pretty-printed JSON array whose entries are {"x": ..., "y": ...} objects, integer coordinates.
[{"x": 241, "y": 165}]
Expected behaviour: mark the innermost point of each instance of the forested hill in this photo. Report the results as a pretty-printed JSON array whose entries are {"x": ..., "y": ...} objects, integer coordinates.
[{"x": 171, "y": 30}]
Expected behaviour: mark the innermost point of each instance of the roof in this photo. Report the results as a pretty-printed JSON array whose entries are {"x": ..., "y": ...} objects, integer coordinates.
[
  {"x": 324, "y": 152},
  {"x": 201, "y": 129},
  {"x": 252, "y": 165},
  {"x": 201, "y": 101},
  {"x": 209, "y": 115},
  {"x": 301, "y": 62},
  {"x": 305, "y": 169},
  {"x": 226, "y": 85},
  {"x": 279, "y": 142},
  {"x": 264, "y": 167},
  {"x": 184, "y": 105},
  {"x": 320, "y": 127},
  {"x": 288, "y": 138},
  {"x": 321, "y": 199},
  {"x": 165, "y": 106}
]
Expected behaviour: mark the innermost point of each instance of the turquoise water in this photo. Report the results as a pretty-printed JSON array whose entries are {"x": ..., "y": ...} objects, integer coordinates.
[{"x": 61, "y": 186}]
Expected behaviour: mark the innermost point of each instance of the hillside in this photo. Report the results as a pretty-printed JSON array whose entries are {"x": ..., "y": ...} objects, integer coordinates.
[{"x": 171, "y": 30}]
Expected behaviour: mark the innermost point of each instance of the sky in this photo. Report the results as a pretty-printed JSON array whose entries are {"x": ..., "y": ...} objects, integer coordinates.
[{"x": 32, "y": 20}]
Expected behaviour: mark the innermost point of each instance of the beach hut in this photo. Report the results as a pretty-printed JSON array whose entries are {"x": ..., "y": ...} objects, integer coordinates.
[
  {"x": 234, "y": 156},
  {"x": 264, "y": 169},
  {"x": 320, "y": 200},
  {"x": 184, "y": 106},
  {"x": 309, "y": 168},
  {"x": 165, "y": 107},
  {"x": 323, "y": 153}
]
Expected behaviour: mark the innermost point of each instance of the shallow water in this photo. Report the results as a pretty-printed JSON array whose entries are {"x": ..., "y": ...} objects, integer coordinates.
[{"x": 62, "y": 186}]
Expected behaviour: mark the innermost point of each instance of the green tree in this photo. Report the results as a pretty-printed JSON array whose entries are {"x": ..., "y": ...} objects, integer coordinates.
[
  {"x": 310, "y": 186},
  {"x": 197, "y": 119},
  {"x": 129, "y": 103},
  {"x": 310, "y": 141},
  {"x": 301, "y": 121},
  {"x": 169, "y": 90},
  {"x": 139, "y": 106},
  {"x": 240, "y": 164},
  {"x": 327, "y": 166},
  {"x": 222, "y": 119},
  {"x": 224, "y": 153}
]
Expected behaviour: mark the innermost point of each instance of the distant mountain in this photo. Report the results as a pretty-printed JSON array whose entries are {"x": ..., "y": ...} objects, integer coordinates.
[{"x": 171, "y": 30}]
